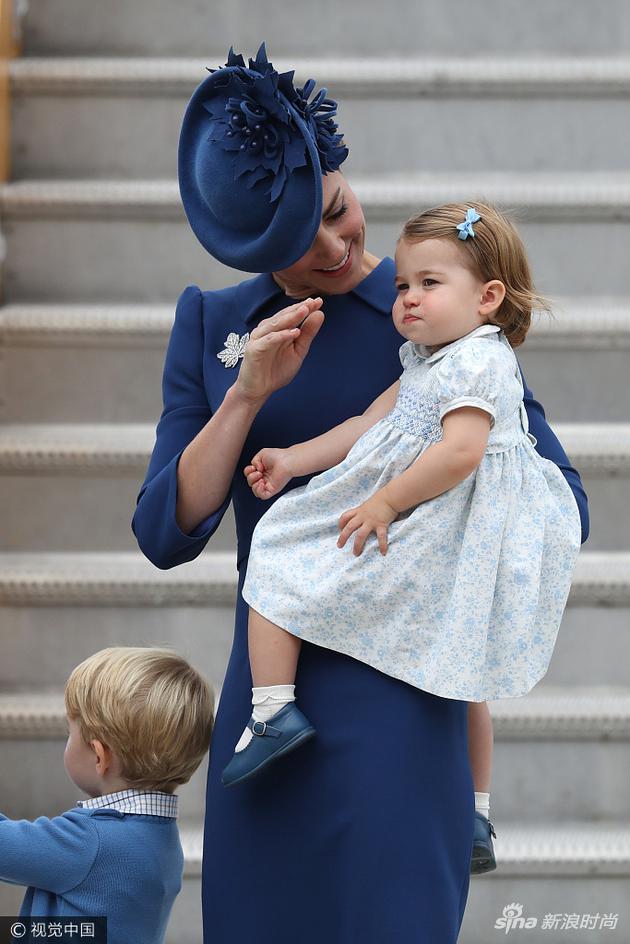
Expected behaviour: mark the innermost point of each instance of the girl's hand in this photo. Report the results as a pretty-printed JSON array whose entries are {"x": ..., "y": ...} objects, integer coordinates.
[
  {"x": 373, "y": 515},
  {"x": 269, "y": 472},
  {"x": 276, "y": 348}
]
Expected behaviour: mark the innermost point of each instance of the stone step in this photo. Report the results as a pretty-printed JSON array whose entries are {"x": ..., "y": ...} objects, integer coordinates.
[
  {"x": 86, "y": 601},
  {"x": 114, "y": 354},
  {"x": 93, "y": 473},
  {"x": 129, "y": 579},
  {"x": 567, "y": 27},
  {"x": 560, "y": 871},
  {"x": 548, "y": 714},
  {"x": 55, "y": 448},
  {"x": 60, "y": 232},
  {"x": 561, "y": 875},
  {"x": 539, "y": 731},
  {"x": 559, "y": 114},
  {"x": 586, "y": 338}
]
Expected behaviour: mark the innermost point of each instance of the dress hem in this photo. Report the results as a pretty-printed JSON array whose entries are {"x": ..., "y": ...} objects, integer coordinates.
[{"x": 400, "y": 678}]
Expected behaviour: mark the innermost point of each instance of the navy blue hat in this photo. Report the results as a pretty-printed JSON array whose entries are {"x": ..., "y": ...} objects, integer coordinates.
[{"x": 252, "y": 151}]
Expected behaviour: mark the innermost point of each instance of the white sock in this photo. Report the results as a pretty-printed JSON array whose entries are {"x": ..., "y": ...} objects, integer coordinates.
[
  {"x": 267, "y": 701},
  {"x": 482, "y": 804}
]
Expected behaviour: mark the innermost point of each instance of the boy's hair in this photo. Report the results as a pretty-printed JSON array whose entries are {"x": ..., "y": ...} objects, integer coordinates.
[
  {"x": 495, "y": 252},
  {"x": 150, "y": 707}
]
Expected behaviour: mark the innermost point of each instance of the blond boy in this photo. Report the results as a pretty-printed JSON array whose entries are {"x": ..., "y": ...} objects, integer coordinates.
[{"x": 139, "y": 724}]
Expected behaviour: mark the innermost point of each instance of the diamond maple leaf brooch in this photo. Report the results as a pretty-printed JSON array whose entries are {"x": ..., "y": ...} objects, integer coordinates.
[{"x": 233, "y": 350}]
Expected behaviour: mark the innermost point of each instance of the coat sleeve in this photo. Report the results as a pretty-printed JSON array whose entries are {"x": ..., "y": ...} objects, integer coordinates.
[
  {"x": 548, "y": 446},
  {"x": 186, "y": 411},
  {"x": 52, "y": 854}
]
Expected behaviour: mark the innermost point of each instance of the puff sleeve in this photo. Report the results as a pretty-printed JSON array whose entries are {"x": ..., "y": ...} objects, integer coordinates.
[
  {"x": 476, "y": 374},
  {"x": 186, "y": 411}
]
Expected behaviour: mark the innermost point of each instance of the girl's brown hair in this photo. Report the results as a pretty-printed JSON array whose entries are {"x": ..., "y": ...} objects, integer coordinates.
[{"x": 495, "y": 252}]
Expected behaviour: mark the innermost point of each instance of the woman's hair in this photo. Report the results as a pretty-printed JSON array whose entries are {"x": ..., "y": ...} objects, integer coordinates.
[
  {"x": 495, "y": 252},
  {"x": 150, "y": 707}
]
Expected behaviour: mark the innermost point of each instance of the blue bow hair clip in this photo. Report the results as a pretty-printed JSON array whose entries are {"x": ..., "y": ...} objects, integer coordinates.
[{"x": 465, "y": 228}]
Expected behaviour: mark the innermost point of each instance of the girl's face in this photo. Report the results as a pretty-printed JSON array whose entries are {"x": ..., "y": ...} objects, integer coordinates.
[
  {"x": 334, "y": 264},
  {"x": 439, "y": 300}
]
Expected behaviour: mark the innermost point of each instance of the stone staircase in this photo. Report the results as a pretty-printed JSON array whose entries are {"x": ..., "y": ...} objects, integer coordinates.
[{"x": 523, "y": 104}]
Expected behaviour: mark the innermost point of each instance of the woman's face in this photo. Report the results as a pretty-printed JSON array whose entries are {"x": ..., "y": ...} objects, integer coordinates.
[{"x": 334, "y": 264}]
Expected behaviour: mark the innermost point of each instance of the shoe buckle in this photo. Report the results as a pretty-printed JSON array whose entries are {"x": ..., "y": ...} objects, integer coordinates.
[{"x": 264, "y": 728}]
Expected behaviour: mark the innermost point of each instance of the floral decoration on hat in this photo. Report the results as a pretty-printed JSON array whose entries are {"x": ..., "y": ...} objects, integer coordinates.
[{"x": 255, "y": 121}]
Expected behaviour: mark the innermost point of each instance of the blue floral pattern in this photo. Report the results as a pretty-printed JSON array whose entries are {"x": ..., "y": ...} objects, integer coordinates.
[{"x": 468, "y": 600}]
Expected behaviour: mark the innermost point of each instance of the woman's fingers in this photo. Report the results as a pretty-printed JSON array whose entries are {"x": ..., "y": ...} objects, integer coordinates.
[
  {"x": 308, "y": 331},
  {"x": 280, "y": 337},
  {"x": 287, "y": 319},
  {"x": 276, "y": 349}
]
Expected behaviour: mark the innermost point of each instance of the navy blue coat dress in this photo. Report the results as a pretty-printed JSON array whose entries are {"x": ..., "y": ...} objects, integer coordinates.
[{"x": 365, "y": 833}]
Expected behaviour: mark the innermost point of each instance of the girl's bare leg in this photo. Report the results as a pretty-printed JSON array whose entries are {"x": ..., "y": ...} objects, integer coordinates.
[
  {"x": 273, "y": 656},
  {"x": 273, "y": 653},
  {"x": 480, "y": 744}
]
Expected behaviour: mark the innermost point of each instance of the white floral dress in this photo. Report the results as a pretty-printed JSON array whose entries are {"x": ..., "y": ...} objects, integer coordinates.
[{"x": 467, "y": 602}]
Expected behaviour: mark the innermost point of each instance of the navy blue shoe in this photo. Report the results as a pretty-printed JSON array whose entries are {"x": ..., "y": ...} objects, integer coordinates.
[
  {"x": 483, "y": 859},
  {"x": 283, "y": 733}
]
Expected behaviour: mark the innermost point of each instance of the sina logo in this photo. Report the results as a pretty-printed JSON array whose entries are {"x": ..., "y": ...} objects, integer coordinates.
[{"x": 513, "y": 919}]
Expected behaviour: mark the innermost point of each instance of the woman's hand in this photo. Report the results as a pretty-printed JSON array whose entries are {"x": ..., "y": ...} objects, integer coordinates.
[
  {"x": 276, "y": 348},
  {"x": 375, "y": 514},
  {"x": 269, "y": 472}
]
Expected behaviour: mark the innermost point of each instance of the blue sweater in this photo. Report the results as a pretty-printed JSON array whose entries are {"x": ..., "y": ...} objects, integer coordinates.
[{"x": 94, "y": 862}]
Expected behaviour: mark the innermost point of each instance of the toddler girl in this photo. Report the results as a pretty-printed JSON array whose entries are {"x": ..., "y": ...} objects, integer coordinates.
[{"x": 465, "y": 539}]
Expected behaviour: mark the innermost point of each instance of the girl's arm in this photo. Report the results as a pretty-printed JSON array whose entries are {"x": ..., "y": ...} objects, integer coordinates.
[
  {"x": 188, "y": 484},
  {"x": 325, "y": 451},
  {"x": 444, "y": 464}
]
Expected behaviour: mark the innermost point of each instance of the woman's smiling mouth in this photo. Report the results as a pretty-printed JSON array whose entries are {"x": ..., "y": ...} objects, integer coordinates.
[{"x": 341, "y": 267}]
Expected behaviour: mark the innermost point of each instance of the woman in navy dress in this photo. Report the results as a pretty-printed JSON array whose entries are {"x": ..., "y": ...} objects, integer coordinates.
[{"x": 365, "y": 834}]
